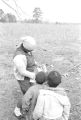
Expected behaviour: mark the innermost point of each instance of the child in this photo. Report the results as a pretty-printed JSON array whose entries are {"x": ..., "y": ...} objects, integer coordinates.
[
  {"x": 52, "y": 102},
  {"x": 30, "y": 97}
]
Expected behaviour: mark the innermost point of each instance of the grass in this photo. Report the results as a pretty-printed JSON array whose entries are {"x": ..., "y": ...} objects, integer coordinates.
[{"x": 58, "y": 47}]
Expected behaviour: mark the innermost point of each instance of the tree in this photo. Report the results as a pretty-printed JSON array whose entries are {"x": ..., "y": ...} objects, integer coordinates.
[
  {"x": 11, "y": 18},
  {"x": 1, "y": 13},
  {"x": 8, "y": 18},
  {"x": 37, "y": 13}
]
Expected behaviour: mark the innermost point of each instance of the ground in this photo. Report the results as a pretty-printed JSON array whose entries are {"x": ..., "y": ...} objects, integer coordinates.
[{"x": 59, "y": 47}]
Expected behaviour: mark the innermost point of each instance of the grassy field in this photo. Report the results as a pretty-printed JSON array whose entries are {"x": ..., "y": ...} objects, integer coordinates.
[{"x": 59, "y": 46}]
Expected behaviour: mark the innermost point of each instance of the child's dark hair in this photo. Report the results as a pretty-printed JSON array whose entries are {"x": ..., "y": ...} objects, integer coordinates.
[
  {"x": 54, "y": 79},
  {"x": 40, "y": 77}
]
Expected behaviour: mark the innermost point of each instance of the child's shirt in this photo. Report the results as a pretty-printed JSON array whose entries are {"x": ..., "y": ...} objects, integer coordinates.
[{"x": 52, "y": 103}]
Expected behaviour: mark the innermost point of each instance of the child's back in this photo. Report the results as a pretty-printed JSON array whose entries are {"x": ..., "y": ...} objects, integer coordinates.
[{"x": 52, "y": 103}]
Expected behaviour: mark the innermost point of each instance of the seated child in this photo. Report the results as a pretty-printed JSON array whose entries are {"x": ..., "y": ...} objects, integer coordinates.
[{"x": 52, "y": 102}]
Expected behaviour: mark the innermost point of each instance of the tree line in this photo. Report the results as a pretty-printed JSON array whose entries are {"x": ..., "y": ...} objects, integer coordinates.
[{"x": 9, "y": 17}]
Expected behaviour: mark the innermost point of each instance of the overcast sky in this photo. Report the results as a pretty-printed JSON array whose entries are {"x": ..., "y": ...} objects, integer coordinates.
[{"x": 53, "y": 10}]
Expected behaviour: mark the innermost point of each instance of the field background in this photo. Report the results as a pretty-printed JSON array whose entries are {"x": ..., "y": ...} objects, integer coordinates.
[{"x": 59, "y": 47}]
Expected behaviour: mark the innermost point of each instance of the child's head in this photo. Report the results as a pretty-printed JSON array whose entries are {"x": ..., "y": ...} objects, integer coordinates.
[
  {"x": 54, "y": 79},
  {"x": 40, "y": 77}
]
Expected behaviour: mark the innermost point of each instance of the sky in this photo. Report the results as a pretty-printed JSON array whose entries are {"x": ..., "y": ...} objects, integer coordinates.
[{"x": 68, "y": 11}]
